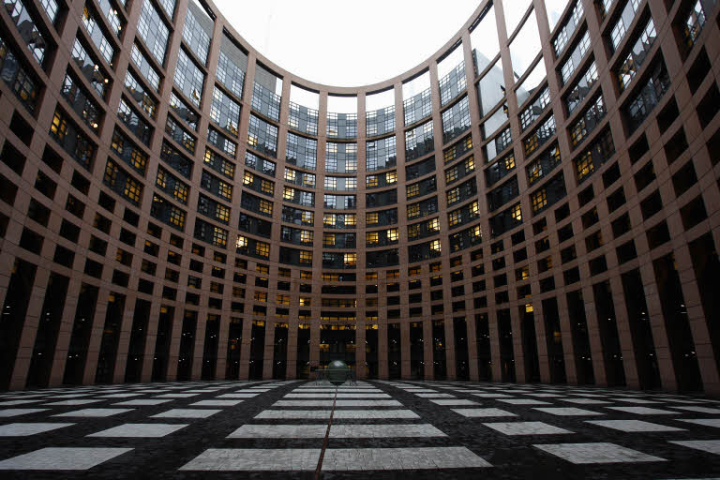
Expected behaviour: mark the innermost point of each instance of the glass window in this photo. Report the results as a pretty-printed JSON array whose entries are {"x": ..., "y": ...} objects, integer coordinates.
[
  {"x": 197, "y": 30},
  {"x": 225, "y": 112},
  {"x": 189, "y": 78},
  {"x": 262, "y": 136},
  {"x": 531, "y": 83},
  {"x": 491, "y": 88},
  {"x": 147, "y": 70},
  {"x": 514, "y": 11},
  {"x": 525, "y": 47},
  {"x": 153, "y": 31},
  {"x": 484, "y": 40},
  {"x": 232, "y": 64},
  {"x": 554, "y": 9}
]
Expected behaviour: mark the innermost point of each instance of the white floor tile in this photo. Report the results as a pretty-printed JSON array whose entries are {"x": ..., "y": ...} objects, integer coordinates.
[
  {"x": 62, "y": 458},
  {"x": 633, "y": 426},
  {"x": 255, "y": 459},
  {"x": 589, "y": 453},
  {"x": 27, "y": 429},
  {"x": 187, "y": 413},
  {"x": 139, "y": 430},
  {"x": 482, "y": 412},
  {"x": 526, "y": 428},
  {"x": 94, "y": 412}
]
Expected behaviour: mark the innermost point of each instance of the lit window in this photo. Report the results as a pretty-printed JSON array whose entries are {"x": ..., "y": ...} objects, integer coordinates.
[
  {"x": 262, "y": 249},
  {"x": 392, "y": 235},
  {"x": 435, "y": 246},
  {"x": 372, "y": 218},
  {"x": 267, "y": 187},
  {"x": 539, "y": 200},
  {"x": 265, "y": 207},
  {"x": 350, "y": 259},
  {"x": 329, "y": 219},
  {"x": 413, "y": 210},
  {"x": 371, "y": 238},
  {"x": 517, "y": 212},
  {"x": 412, "y": 190}
]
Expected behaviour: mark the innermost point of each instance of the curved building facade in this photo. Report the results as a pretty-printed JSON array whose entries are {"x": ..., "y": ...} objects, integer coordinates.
[{"x": 536, "y": 202}]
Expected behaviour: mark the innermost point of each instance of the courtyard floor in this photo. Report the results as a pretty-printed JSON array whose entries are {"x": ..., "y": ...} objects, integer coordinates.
[{"x": 387, "y": 429}]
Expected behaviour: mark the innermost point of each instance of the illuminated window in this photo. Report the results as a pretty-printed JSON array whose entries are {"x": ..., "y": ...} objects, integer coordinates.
[
  {"x": 371, "y": 181},
  {"x": 535, "y": 171},
  {"x": 305, "y": 301},
  {"x": 454, "y": 218},
  {"x": 219, "y": 237},
  {"x": 59, "y": 126},
  {"x": 329, "y": 219},
  {"x": 434, "y": 225},
  {"x": 290, "y": 175},
  {"x": 390, "y": 177},
  {"x": 412, "y": 190},
  {"x": 265, "y": 207},
  {"x": 267, "y": 187},
  {"x": 242, "y": 242},
  {"x": 509, "y": 162},
  {"x": 413, "y": 210},
  {"x": 306, "y": 236},
  {"x": 288, "y": 193},
  {"x": 539, "y": 200},
  {"x": 451, "y": 175},
  {"x": 283, "y": 299},
  {"x": 470, "y": 164},
  {"x": 435, "y": 246},
  {"x": 523, "y": 273},
  {"x": 413, "y": 231},
  {"x": 584, "y": 166},
  {"x": 392, "y": 235},
  {"x": 328, "y": 239},
  {"x": 350, "y": 259},
  {"x": 222, "y": 213},
  {"x": 371, "y": 238},
  {"x": 453, "y": 195},
  {"x": 474, "y": 208},
  {"x": 260, "y": 297},
  {"x": 248, "y": 178},
  {"x": 133, "y": 190},
  {"x": 350, "y": 219},
  {"x": 262, "y": 249},
  {"x": 225, "y": 190},
  {"x": 476, "y": 233},
  {"x": 517, "y": 212},
  {"x": 372, "y": 218}
]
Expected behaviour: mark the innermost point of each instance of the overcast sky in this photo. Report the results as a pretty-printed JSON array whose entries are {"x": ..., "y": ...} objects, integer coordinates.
[{"x": 347, "y": 43}]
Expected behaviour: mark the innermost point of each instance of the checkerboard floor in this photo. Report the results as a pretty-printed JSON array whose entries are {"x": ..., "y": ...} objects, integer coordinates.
[{"x": 277, "y": 429}]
